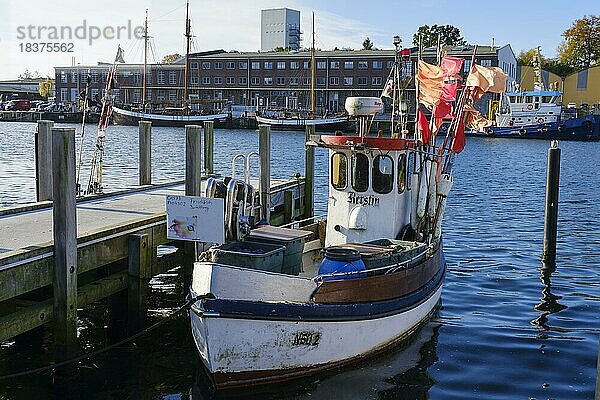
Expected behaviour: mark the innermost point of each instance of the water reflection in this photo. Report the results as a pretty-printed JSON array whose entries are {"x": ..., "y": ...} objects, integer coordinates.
[
  {"x": 549, "y": 302},
  {"x": 399, "y": 374}
]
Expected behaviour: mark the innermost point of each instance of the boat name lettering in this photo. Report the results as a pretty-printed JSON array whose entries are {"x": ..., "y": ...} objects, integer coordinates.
[
  {"x": 370, "y": 200},
  {"x": 306, "y": 338}
]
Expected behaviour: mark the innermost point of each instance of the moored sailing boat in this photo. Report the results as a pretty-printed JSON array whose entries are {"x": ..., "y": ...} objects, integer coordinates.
[
  {"x": 171, "y": 117},
  {"x": 274, "y": 304}
]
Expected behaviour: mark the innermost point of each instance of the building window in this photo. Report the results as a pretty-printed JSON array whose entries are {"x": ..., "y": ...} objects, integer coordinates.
[
  {"x": 321, "y": 81},
  {"x": 334, "y": 80},
  {"x": 348, "y": 81},
  {"x": 230, "y": 80},
  {"x": 94, "y": 77},
  {"x": 268, "y": 80},
  {"x": 64, "y": 93},
  {"x": 377, "y": 64},
  {"x": 172, "y": 95},
  {"x": 360, "y": 172},
  {"x": 294, "y": 81},
  {"x": 362, "y": 80},
  {"x": 294, "y": 65},
  {"x": 376, "y": 80},
  {"x": 205, "y": 64},
  {"x": 243, "y": 65},
  {"x": 306, "y": 65},
  {"x": 268, "y": 65},
  {"x": 321, "y": 64},
  {"x": 137, "y": 96},
  {"x": 363, "y": 64},
  {"x": 390, "y": 64},
  {"x": 334, "y": 65},
  {"x": 255, "y": 80},
  {"x": 243, "y": 80},
  {"x": 74, "y": 76},
  {"x": 467, "y": 66},
  {"x": 206, "y": 80},
  {"x": 83, "y": 77},
  {"x": 280, "y": 64},
  {"x": 63, "y": 77},
  {"x": 486, "y": 63},
  {"x": 306, "y": 81},
  {"x": 280, "y": 80},
  {"x": 194, "y": 65},
  {"x": 230, "y": 65},
  {"x": 104, "y": 76},
  {"x": 407, "y": 68},
  {"x": 339, "y": 171},
  {"x": 172, "y": 78},
  {"x": 218, "y": 95},
  {"x": 137, "y": 78},
  {"x": 218, "y": 80},
  {"x": 218, "y": 65},
  {"x": 383, "y": 174},
  {"x": 348, "y": 64},
  {"x": 255, "y": 65},
  {"x": 160, "y": 79},
  {"x": 193, "y": 80}
]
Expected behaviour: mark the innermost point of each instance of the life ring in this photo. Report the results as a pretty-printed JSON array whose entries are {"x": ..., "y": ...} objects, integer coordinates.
[
  {"x": 540, "y": 120},
  {"x": 511, "y": 122},
  {"x": 490, "y": 132},
  {"x": 522, "y": 131},
  {"x": 530, "y": 107}
]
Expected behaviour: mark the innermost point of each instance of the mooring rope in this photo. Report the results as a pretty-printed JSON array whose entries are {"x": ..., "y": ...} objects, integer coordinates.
[{"x": 163, "y": 321}]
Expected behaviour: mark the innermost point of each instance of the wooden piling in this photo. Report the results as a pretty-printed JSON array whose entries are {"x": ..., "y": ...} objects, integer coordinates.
[
  {"x": 209, "y": 143},
  {"x": 264, "y": 150},
  {"x": 65, "y": 242},
  {"x": 288, "y": 206},
  {"x": 193, "y": 160},
  {"x": 551, "y": 212},
  {"x": 145, "y": 152},
  {"x": 140, "y": 272},
  {"x": 309, "y": 175},
  {"x": 43, "y": 160}
]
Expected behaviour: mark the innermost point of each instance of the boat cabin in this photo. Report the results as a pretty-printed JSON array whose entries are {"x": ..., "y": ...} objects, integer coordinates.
[{"x": 530, "y": 108}]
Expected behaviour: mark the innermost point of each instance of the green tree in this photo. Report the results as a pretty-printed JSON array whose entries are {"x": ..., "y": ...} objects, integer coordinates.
[
  {"x": 367, "y": 44},
  {"x": 556, "y": 66},
  {"x": 46, "y": 88},
  {"x": 581, "y": 46},
  {"x": 525, "y": 57},
  {"x": 448, "y": 35},
  {"x": 171, "y": 58}
]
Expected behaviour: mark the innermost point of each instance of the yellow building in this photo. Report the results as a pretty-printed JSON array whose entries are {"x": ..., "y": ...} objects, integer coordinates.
[
  {"x": 583, "y": 87},
  {"x": 527, "y": 78}
]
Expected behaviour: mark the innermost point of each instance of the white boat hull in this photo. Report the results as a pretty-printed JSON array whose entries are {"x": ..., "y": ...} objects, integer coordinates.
[{"x": 127, "y": 117}]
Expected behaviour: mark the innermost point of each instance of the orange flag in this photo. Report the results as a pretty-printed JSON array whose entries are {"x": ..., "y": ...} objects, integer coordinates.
[
  {"x": 489, "y": 79},
  {"x": 431, "y": 82}
]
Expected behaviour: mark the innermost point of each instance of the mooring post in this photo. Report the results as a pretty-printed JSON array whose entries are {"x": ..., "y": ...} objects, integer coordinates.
[
  {"x": 309, "y": 175},
  {"x": 209, "y": 143},
  {"x": 43, "y": 160},
  {"x": 551, "y": 213},
  {"x": 193, "y": 160},
  {"x": 65, "y": 242},
  {"x": 140, "y": 262},
  {"x": 264, "y": 150},
  {"x": 288, "y": 206},
  {"x": 145, "y": 151}
]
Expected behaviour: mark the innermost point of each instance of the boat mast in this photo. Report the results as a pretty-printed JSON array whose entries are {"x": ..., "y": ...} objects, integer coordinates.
[
  {"x": 395, "y": 97},
  {"x": 187, "y": 53},
  {"x": 144, "y": 82},
  {"x": 312, "y": 68},
  {"x": 537, "y": 68}
]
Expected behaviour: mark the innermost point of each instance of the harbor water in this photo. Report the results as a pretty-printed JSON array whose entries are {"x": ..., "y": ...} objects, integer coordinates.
[{"x": 508, "y": 327}]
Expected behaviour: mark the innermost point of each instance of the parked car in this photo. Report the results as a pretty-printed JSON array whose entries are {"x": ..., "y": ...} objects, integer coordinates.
[
  {"x": 18, "y": 105},
  {"x": 54, "y": 107}
]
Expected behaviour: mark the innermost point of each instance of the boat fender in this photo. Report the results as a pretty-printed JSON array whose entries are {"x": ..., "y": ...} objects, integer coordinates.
[
  {"x": 423, "y": 183},
  {"x": 357, "y": 219},
  {"x": 431, "y": 201},
  {"x": 414, "y": 193},
  {"x": 561, "y": 127},
  {"x": 444, "y": 185},
  {"x": 522, "y": 131},
  {"x": 437, "y": 230}
]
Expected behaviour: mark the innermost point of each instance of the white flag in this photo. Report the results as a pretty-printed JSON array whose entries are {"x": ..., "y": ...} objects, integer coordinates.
[{"x": 388, "y": 89}]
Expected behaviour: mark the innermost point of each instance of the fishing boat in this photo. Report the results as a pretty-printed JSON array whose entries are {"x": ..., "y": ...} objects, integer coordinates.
[
  {"x": 539, "y": 114},
  {"x": 179, "y": 116},
  {"x": 286, "y": 119},
  {"x": 273, "y": 304}
]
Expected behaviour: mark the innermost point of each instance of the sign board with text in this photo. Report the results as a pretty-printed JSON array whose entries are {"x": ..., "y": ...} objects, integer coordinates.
[{"x": 200, "y": 219}]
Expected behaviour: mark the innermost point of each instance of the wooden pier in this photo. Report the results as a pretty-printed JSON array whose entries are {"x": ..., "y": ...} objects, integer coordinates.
[{"x": 50, "y": 265}]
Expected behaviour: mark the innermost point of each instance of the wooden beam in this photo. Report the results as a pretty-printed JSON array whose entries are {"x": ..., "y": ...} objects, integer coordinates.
[
  {"x": 193, "y": 160},
  {"x": 139, "y": 266},
  {"x": 43, "y": 160},
  {"x": 264, "y": 151},
  {"x": 145, "y": 153}
]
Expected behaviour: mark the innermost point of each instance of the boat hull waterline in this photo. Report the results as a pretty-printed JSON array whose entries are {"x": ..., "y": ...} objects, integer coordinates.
[
  {"x": 127, "y": 117},
  {"x": 321, "y": 124},
  {"x": 260, "y": 340}
]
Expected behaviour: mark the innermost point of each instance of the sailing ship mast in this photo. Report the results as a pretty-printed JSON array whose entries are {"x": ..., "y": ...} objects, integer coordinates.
[
  {"x": 187, "y": 53},
  {"x": 312, "y": 68},
  {"x": 144, "y": 77}
]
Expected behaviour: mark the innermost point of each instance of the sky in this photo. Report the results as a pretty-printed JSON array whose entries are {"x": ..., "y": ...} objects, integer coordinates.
[{"x": 235, "y": 25}]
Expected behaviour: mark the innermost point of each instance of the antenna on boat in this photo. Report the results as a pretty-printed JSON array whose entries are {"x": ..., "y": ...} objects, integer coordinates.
[
  {"x": 312, "y": 68},
  {"x": 537, "y": 69},
  {"x": 396, "y": 83},
  {"x": 188, "y": 36}
]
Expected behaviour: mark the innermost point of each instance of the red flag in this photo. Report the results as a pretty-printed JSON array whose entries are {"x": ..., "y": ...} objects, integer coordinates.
[
  {"x": 451, "y": 65},
  {"x": 459, "y": 138},
  {"x": 443, "y": 110},
  {"x": 449, "y": 91},
  {"x": 423, "y": 126}
]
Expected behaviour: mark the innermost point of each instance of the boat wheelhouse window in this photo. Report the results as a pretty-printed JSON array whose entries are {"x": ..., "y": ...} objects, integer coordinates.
[
  {"x": 512, "y": 99},
  {"x": 339, "y": 171},
  {"x": 411, "y": 169},
  {"x": 528, "y": 99},
  {"x": 546, "y": 99},
  {"x": 383, "y": 174},
  {"x": 360, "y": 172},
  {"x": 401, "y": 173}
]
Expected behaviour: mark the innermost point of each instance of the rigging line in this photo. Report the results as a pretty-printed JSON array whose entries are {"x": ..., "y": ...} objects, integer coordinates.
[{"x": 149, "y": 329}]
